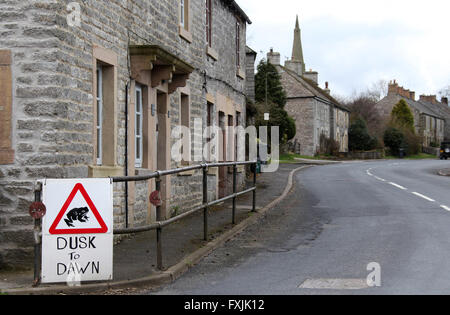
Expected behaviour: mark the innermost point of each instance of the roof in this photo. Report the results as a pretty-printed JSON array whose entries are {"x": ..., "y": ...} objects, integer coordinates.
[
  {"x": 422, "y": 107},
  {"x": 238, "y": 10},
  {"x": 250, "y": 51},
  {"x": 314, "y": 90}
]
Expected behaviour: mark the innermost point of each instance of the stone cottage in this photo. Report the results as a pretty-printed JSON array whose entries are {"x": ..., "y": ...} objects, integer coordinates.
[
  {"x": 94, "y": 89},
  {"x": 430, "y": 116},
  {"x": 314, "y": 110}
]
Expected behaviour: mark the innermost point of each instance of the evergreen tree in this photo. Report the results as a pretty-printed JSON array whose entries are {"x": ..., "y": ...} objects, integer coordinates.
[
  {"x": 403, "y": 116},
  {"x": 359, "y": 137},
  {"x": 267, "y": 84}
]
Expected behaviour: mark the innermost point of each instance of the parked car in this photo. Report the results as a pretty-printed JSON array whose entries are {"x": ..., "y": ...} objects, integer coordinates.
[{"x": 445, "y": 150}]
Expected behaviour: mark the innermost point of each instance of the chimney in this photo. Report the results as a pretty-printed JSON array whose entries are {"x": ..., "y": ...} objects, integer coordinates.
[
  {"x": 412, "y": 95},
  {"x": 393, "y": 88},
  {"x": 327, "y": 90},
  {"x": 312, "y": 75},
  {"x": 444, "y": 100},
  {"x": 429, "y": 99},
  {"x": 273, "y": 57}
]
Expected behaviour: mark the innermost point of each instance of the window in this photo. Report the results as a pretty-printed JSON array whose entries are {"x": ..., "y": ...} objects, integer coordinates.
[
  {"x": 230, "y": 138},
  {"x": 209, "y": 22},
  {"x": 185, "y": 122},
  {"x": 99, "y": 124},
  {"x": 238, "y": 44},
  {"x": 184, "y": 14},
  {"x": 184, "y": 27},
  {"x": 210, "y": 133},
  {"x": 138, "y": 127}
]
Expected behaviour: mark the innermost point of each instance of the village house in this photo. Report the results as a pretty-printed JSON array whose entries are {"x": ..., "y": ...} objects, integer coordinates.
[
  {"x": 94, "y": 89},
  {"x": 430, "y": 116},
  {"x": 314, "y": 110}
]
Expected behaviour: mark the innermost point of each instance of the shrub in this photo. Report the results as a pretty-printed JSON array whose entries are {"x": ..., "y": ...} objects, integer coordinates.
[
  {"x": 359, "y": 137},
  {"x": 328, "y": 146},
  {"x": 394, "y": 139}
]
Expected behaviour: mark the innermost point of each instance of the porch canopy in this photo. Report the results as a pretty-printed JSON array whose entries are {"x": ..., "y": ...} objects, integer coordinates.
[{"x": 164, "y": 67}]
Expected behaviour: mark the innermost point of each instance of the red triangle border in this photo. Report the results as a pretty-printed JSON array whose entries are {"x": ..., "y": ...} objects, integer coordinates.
[{"x": 78, "y": 188}]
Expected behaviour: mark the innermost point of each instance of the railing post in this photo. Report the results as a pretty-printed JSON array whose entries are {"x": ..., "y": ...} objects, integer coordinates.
[
  {"x": 159, "y": 260},
  {"x": 205, "y": 201},
  {"x": 254, "y": 191},
  {"x": 37, "y": 239},
  {"x": 234, "y": 192}
]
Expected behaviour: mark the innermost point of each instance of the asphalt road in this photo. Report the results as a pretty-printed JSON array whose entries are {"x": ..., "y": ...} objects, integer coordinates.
[{"x": 393, "y": 216}]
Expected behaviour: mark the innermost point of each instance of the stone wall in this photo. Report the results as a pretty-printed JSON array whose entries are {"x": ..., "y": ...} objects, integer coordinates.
[{"x": 52, "y": 84}]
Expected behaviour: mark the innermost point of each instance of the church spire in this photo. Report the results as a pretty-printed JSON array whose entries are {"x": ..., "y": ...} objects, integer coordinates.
[{"x": 297, "y": 50}]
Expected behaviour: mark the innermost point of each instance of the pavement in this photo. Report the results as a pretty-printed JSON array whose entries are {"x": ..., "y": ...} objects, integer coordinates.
[{"x": 183, "y": 245}]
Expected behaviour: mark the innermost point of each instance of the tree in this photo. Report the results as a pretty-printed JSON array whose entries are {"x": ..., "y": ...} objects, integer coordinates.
[
  {"x": 359, "y": 137},
  {"x": 271, "y": 98},
  {"x": 394, "y": 139},
  {"x": 445, "y": 92},
  {"x": 278, "y": 118},
  {"x": 403, "y": 116},
  {"x": 268, "y": 87}
]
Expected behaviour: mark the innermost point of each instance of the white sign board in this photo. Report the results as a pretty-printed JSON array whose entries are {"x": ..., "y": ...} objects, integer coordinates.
[{"x": 77, "y": 230}]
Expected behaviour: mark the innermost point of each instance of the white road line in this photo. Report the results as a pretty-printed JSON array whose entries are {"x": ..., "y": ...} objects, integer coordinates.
[
  {"x": 380, "y": 179},
  {"x": 424, "y": 197},
  {"x": 445, "y": 208},
  {"x": 398, "y": 186}
]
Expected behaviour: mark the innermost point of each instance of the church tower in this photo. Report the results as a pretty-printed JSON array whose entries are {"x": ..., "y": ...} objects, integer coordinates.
[{"x": 297, "y": 63}]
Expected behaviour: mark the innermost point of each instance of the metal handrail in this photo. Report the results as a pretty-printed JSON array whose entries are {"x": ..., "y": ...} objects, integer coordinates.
[{"x": 160, "y": 224}]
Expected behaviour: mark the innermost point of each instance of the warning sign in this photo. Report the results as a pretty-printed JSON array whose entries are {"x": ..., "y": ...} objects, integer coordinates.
[
  {"x": 77, "y": 241},
  {"x": 79, "y": 216}
]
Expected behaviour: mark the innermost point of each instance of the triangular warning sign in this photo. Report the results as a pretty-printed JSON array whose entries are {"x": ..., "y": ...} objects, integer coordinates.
[{"x": 78, "y": 216}]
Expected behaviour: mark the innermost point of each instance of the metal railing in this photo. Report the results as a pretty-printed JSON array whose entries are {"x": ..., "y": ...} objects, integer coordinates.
[{"x": 160, "y": 224}]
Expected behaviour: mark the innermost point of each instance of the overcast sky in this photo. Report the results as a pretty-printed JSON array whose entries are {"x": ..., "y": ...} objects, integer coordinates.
[{"x": 354, "y": 43}]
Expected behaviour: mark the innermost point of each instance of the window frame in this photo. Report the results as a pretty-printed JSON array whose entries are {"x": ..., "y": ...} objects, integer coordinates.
[
  {"x": 183, "y": 13},
  {"x": 99, "y": 118},
  {"x": 209, "y": 22},
  {"x": 138, "y": 117},
  {"x": 238, "y": 44}
]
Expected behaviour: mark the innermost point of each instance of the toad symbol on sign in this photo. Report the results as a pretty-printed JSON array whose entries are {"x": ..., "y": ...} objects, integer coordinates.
[{"x": 77, "y": 214}]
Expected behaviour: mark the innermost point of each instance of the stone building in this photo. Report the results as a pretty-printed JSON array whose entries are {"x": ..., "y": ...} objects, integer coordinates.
[
  {"x": 314, "y": 110},
  {"x": 250, "y": 73},
  {"x": 94, "y": 89},
  {"x": 430, "y": 116}
]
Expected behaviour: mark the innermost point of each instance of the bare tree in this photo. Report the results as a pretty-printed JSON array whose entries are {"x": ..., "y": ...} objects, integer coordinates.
[{"x": 445, "y": 92}]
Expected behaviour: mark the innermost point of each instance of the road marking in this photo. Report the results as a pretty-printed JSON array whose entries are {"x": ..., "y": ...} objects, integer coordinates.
[
  {"x": 398, "y": 186},
  {"x": 334, "y": 284},
  {"x": 445, "y": 208},
  {"x": 380, "y": 179},
  {"x": 424, "y": 197}
]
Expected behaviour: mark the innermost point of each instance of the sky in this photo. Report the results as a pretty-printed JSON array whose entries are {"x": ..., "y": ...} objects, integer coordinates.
[{"x": 356, "y": 43}]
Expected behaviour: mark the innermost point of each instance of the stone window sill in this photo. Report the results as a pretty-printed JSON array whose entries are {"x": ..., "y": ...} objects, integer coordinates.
[
  {"x": 185, "y": 34},
  {"x": 240, "y": 74},
  {"x": 212, "y": 53},
  {"x": 187, "y": 173},
  {"x": 105, "y": 171}
]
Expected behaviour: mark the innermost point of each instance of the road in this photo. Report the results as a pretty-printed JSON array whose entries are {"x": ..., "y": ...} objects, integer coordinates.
[{"x": 393, "y": 216}]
